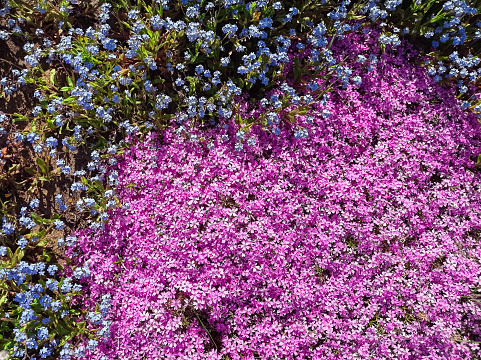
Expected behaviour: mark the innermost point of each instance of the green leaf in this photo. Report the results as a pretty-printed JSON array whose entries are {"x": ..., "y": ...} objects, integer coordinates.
[
  {"x": 52, "y": 77},
  {"x": 45, "y": 256},
  {"x": 102, "y": 143},
  {"x": 301, "y": 110},
  {"x": 68, "y": 101},
  {"x": 42, "y": 165},
  {"x": 3, "y": 299},
  {"x": 36, "y": 218},
  {"x": 66, "y": 88},
  {"x": 19, "y": 117},
  {"x": 40, "y": 234},
  {"x": 30, "y": 171},
  {"x": 39, "y": 220},
  {"x": 238, "y": 119},
  {"x": 61, "y": 330},
  {"x": 17, "y": 257},
  {"x": 99, "y": 186},
  {"x": 41, "y": 243},
  {"x": 75, "y": 312}
]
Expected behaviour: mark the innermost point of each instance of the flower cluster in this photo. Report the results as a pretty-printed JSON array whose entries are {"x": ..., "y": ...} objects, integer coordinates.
[{"x": 361, "y": 240}]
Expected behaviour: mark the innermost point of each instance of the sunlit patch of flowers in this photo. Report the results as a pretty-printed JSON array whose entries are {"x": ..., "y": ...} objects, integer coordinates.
[
  {"x": 358, "y": 239},
  {"x": 261, "y": 89}
]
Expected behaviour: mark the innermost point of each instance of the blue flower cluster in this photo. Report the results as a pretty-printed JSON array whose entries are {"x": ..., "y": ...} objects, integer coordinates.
[{"x": 35, "y": 294}]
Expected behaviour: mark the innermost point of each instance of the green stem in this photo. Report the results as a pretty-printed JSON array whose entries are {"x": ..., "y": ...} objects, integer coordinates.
[{"x": 18, "y": 67}]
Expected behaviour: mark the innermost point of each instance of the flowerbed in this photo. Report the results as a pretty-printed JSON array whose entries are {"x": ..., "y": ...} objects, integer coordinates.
[
  {"x": 239, "y": 180},
  {"x": 359, "y": 241}
]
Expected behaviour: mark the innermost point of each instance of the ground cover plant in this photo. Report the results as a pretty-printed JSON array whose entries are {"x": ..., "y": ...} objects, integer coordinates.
[
  {"x": 324, "y": 159},
  {"x": 275, "y": 251}
]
